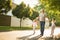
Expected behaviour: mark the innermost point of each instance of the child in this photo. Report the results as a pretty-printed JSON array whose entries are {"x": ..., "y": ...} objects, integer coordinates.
[
  {"x": 46, "y": 22},
  {"x": 52, "y": 26},
  {"x": 34, "y": 24}
]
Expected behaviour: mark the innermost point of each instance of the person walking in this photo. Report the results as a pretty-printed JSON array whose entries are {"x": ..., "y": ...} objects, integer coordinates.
[
  {"x": 42, "y": 21},
  {"x": 52, "y": 26},
  {"x": 34, "y": 25}
]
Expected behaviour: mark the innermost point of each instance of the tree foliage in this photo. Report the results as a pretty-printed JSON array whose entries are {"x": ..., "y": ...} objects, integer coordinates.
[
  {"x": 21, "y": 11},
  {"x": 34, "y": 15},
  {"x": 53, "y": 5},
  {"x": 27, "y": 12},
  {"x": 6, "y": 4}
]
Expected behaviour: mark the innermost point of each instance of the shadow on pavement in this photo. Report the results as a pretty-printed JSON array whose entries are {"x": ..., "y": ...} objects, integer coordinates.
[
  {"x": 35, "y": 38},
  {"x": 51, "y": 38},
  {"x": 27, "y": 37},
  {"x": 24, "y": 37},
  {"x": 38, "y": 37},
  {"x": 55, "y": 37}
]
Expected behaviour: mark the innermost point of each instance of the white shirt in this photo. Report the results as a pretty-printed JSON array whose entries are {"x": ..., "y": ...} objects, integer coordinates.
[
  {"x": 34, "y": 24},
  {"x": 42, "y": 17}
]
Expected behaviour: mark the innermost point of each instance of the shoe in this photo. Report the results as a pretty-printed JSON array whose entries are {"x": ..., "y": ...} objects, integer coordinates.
[
  {"x": 51, "y": 35},
  {"x": 33, "y": 33},
  {"x": 41, "y": 35}
]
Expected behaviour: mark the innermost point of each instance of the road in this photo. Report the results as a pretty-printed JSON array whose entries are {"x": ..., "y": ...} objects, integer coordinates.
[{"x": 28, "y": 34}]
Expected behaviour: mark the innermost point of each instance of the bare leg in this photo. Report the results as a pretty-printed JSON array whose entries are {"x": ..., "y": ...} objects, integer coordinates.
[
  {"x": 34, "y": 30},
  {"x": 52, "y": 30}
]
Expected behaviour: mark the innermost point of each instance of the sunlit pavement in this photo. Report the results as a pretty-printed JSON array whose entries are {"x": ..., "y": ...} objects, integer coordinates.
[{"x": 26, "y": 34}]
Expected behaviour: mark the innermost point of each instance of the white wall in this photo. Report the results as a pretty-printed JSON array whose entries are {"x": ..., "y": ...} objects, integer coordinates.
[
  {"x": 26, "y": 23},
  {"x": 15, "y": 22},
  {"x": 9, "y": 13}
]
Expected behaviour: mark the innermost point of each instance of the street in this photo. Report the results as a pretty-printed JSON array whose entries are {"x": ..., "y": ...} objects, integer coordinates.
[{"x": 28, "y": 34}]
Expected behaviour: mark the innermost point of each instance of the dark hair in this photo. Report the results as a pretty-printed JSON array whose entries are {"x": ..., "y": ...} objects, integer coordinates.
[{"x": 53, "y": 18}]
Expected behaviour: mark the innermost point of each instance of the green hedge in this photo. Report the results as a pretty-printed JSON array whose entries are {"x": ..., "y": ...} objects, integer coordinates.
[
  {"x": 9, "y": 28},
  {"x": 57, "y": 23}
]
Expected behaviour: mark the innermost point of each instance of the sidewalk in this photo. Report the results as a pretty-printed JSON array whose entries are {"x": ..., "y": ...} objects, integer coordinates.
[{"x": 27, "y": 34}]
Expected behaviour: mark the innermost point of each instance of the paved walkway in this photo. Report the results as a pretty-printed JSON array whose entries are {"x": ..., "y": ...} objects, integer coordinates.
[{"x": 27, "y": 35}]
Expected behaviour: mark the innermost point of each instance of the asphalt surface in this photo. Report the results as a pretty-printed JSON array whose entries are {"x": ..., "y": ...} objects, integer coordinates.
[{"x": 28, "y": 35}]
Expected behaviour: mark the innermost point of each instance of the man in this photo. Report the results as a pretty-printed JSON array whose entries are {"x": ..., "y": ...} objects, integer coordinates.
[{"x": 42, "y": 21}]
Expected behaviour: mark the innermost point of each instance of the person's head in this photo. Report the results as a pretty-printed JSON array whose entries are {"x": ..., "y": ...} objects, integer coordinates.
[
  {"x": 53, "y": 19},
  {"x": 34, "y": 20},
  {"x": 42, "y": 11}
]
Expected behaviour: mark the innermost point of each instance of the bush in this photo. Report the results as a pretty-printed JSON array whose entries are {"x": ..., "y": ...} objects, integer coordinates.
[{"x": 57, "y": 23}]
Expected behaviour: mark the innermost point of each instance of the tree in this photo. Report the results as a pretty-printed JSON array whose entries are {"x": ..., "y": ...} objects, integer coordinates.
[
  {"x": 38, "y": 7},
  {"x": 6, "y": 5},
  {"x": 34, "y": 15},
  {"x": 21, "y": 11},
  {"x": 27, "y": 12}
]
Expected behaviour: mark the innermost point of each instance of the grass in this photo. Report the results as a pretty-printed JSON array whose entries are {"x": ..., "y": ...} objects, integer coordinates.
[{"x": 7, "y": 28}]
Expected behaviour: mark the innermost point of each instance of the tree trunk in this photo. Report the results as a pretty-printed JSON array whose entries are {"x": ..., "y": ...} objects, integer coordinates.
[{"x": 20, "y": 22}]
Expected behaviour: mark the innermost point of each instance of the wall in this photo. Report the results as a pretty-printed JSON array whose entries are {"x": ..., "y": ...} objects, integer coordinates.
[
  {"x": 15, "y": 22},
  {"x": 5, "y": 20},
  {"x": 26, "y": 23}
]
